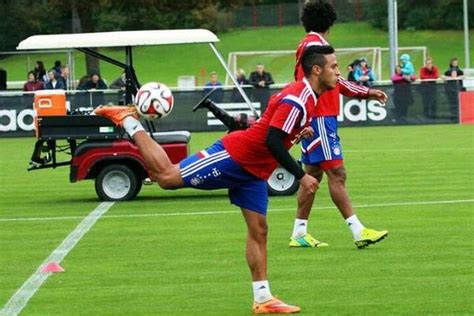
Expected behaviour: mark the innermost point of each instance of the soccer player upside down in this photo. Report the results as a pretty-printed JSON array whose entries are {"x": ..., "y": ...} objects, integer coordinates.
[{"x": 242, "y": 161}]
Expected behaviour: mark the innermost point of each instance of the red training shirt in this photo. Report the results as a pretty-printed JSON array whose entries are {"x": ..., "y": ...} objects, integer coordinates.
[{"x": 289, "y": 110}]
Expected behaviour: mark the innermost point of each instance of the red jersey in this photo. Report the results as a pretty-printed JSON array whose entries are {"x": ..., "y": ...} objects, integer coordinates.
[
  {"x": 328, "y": 102},
  {"x": 289, "y": 110}
]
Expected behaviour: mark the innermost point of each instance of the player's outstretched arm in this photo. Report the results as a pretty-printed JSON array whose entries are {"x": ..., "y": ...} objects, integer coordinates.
[{"x": 378, "y": 95}]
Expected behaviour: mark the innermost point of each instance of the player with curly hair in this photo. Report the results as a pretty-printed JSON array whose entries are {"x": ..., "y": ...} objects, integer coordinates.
[{"x": 322, "y": 153}]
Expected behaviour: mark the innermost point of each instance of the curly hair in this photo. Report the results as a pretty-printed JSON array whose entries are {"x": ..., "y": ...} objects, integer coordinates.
[{"x": 318, "y": 16}]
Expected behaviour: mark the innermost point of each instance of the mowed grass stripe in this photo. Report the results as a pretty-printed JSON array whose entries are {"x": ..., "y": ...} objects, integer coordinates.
[
  {"x": 184, "y": 265},
  {"x": 233, "y": 210}
]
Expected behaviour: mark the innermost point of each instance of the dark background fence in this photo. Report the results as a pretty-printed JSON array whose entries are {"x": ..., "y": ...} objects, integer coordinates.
[{"x": 16, "y": 110}]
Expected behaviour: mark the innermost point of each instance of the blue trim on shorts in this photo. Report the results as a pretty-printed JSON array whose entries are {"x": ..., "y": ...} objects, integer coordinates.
[{"x": 325, "y": 144}]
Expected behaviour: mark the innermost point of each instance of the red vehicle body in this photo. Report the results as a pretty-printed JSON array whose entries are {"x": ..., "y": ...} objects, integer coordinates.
[{"x": 101, "y": 151}]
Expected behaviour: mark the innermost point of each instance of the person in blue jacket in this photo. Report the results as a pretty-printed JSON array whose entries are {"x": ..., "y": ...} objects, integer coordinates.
[
  {"x": 363, "y": 74},
  {"x": 406, "y": 66}
]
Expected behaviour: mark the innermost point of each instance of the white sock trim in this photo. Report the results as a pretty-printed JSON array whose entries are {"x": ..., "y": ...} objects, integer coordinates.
[
  {"x": 132, "y": 125},
  {"x": 261, "y": 291},
  {"x": 300, "y": 228},
  {"x": 355, "y": 226}
]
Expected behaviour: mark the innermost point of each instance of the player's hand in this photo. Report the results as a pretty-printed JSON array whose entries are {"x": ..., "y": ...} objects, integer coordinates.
[
  {"x": 378, "y": 95},
  {"x": 309, "y": 184},
  {"x": 307, "y": 132}
]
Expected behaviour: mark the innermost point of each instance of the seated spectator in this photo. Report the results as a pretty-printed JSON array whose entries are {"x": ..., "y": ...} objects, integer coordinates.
[
  {"x": 363, "y": 74},
  {"x": 33, "y": 84},
  {"x": 40, "y": 71},
  {"x": 119, "y": 83},
  {"x": 3, "y": 79},
  {"x": 53, "y": 83},
  {"x": 64, "y": 75},
  {"x": 261, "y": 80},
  {"x": 406, "y": 66},
  {"x": 402, "y": 93},
  {"x": 454, "y": 75},
  {"x": 428, "y": 88},
  {"x": 95, "y": 82},
  {"x": 212, "y": 84}
]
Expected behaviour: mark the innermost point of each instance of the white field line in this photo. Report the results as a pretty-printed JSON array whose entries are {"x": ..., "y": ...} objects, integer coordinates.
[
  {"x": 380, "y": 205},
  {"x": 19, "y": 300}
]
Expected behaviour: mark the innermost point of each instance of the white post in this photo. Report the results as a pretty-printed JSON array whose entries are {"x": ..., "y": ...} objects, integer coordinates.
[
  {"x": 242, "y": 92},
  {"x": 392, "y": 34},
  {"x": 466, "y": 37}
]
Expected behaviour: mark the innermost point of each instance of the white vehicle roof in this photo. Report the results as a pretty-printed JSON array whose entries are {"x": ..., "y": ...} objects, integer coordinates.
[{"x": 118, "y": 39}]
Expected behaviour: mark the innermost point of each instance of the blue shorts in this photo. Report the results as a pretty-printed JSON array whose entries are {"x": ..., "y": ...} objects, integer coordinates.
[
  {"x": 324, "y": 146},
  {"x": 213, "y": 168}
]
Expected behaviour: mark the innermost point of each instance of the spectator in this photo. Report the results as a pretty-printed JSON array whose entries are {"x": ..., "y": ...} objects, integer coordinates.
[
  {"x": 428, "y": 88},
  {"x": 350, "y": 70},
  {"x": 454, "y": 75},
  {"x": 407, "y": 67},
  {"x": 261, "y": 80},
  {"x": 57, "y": 67},
  {"x": 242, "y": 81},
  {"x": 33, "y": 84},
  {"x": 214, "y": 84},
  {"x": 402, "y": 94},
  {"x": 363, "y": 74},
  {"x": 240, "y": 76},
  {"x": 53, "y": 83},
  {"x": 3, "y": 79},
  {"x": 119, "y": 83},
  {"x": 81, "y": 85},
  {"x": 95, "y": 82},
  {"x": 64, "y": 76},
  {"x": 40, "y": 71}
]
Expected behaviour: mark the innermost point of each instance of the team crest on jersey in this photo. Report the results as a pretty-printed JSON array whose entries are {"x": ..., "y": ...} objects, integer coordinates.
[
  {"x": 216, "y": 172},
  {"x": 336, "y": 151},
  {"x": 196, "y": 181}
]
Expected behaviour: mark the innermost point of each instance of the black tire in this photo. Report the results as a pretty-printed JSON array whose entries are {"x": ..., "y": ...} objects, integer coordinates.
[
  {"x": 281, "y": 182},
  {"x": 117, "y": 182}
]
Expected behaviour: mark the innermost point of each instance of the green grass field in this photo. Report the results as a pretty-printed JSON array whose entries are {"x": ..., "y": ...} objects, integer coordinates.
[
  {"x": 160, "y": 255},
  {"x": 166, "y": 63}
]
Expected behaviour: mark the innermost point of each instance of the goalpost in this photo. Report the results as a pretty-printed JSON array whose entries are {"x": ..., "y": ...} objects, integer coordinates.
[{"x": 280, "y": 63}]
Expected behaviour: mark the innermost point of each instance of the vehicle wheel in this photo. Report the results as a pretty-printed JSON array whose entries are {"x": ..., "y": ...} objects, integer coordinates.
[
  {"x": 117, "y": 183},
  {"x": 281, "y": 182}
]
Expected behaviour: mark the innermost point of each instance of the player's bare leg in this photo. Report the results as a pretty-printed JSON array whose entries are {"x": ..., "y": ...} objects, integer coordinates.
[
  {"x": 300, "y": 236},
  {"x": 256, "y": 253},
  {"x": 306, "y": 199},
  {"x": 164, "y": 172},
  {"x": 256, "y": 250},
  {"x": 337, "y": 189}
]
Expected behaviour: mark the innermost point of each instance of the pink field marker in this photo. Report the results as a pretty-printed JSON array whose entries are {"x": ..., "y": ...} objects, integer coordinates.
[{"x": 52, "y": 268}]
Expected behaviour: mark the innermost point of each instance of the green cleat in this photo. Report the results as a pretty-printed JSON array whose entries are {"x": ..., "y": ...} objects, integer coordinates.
[
  {"x": 370, "y": 236},
  {"x": 306, "y": 241}
]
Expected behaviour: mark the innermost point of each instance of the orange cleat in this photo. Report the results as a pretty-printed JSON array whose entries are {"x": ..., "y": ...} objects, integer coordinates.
[
  {"x": 274, "y": 306},
  {"x": 116, "y": 113}
]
